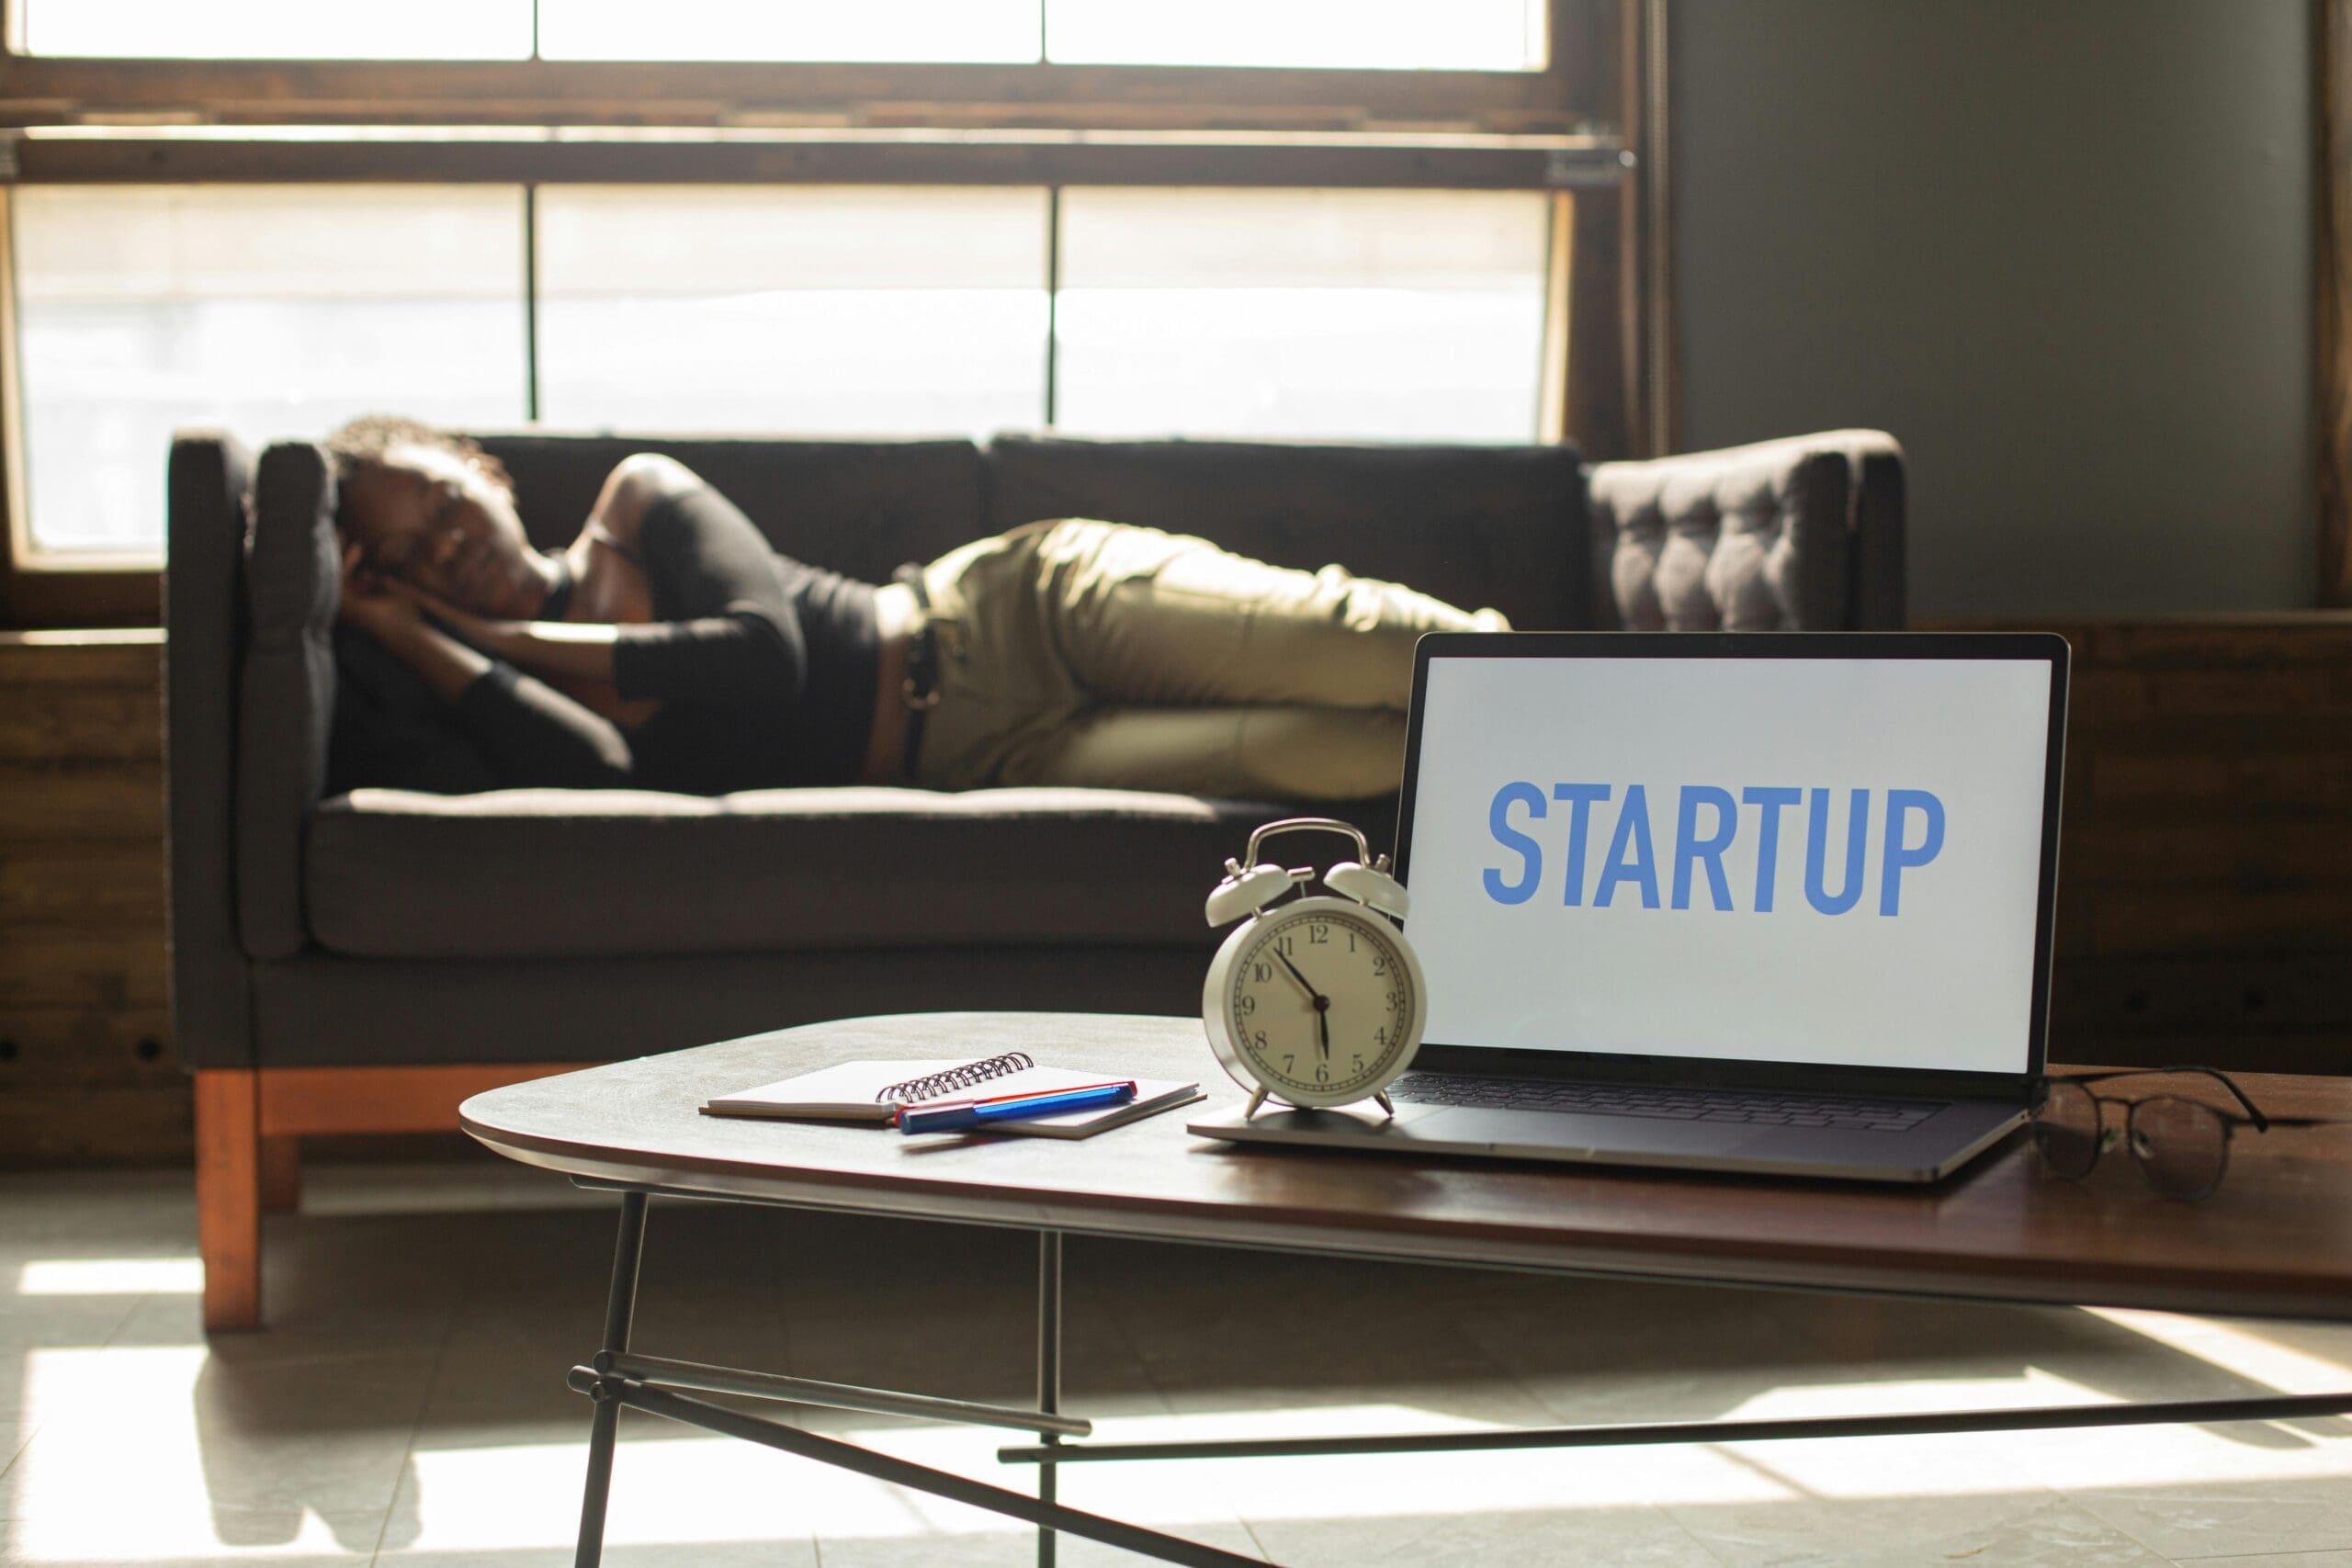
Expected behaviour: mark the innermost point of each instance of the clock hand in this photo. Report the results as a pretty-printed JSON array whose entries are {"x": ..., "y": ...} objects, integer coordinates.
[{"x": 1299, "y": 978}]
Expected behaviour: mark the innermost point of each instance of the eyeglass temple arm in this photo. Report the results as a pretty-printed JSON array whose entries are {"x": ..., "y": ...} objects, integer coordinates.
[{"x": 2253, "y": 1112}]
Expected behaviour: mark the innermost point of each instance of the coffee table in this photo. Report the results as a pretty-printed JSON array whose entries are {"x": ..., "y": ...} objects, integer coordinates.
[{"x": 2275, "y": 1241}]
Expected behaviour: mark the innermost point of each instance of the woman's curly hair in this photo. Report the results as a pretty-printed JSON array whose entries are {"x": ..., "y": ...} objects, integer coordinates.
[{"x": 371, "y": 437}]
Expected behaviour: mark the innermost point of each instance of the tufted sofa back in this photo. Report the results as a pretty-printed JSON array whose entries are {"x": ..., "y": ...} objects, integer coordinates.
[{"x": 1800, "y": 534}]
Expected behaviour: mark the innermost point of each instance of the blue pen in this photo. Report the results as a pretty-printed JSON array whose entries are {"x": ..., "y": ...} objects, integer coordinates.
[{"x": 955, "y": 1118}]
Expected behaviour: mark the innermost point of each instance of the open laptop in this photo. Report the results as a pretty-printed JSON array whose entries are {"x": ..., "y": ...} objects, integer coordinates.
[{"x": 1745, "y": 902}]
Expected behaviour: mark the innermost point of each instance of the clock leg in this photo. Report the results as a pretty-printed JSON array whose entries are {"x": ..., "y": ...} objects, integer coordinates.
[
  {"x": 1380, "y": 1097},
  {"x": 1257, "y": 1099}
]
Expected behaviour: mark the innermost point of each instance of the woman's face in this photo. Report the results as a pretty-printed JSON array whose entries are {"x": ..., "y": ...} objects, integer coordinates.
[{"x": 434, "y": 520}]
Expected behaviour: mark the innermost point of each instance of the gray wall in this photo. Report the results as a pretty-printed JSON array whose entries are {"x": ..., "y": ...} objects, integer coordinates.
[{"x": 2062, "y": 249}]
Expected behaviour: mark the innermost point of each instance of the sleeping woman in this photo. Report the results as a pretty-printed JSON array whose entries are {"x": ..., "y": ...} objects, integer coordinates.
[{"x": 671, "y": 646}]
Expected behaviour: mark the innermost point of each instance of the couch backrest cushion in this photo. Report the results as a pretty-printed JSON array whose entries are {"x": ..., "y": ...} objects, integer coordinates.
[
  {"x": 859, "y": 507},
  {"x": 1499, "y": 527}
]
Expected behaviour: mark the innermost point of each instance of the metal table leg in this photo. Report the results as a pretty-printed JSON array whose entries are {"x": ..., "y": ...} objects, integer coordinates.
[
  {"x": 603, "y": 1426},
  {"x": 652, "y": 1383},
  {"x": 1049, "y": 1374}
]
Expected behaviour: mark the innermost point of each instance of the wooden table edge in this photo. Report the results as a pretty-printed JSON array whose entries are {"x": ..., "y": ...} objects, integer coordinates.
[{"x": 1599, "y": 1257}]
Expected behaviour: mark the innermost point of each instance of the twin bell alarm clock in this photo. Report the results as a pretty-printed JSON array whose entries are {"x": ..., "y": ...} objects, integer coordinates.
[{"x": 1316, "y": 1001}]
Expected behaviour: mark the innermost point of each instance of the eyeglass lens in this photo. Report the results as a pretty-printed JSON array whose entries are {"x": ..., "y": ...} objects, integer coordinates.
[
  {"x": 2181, "y": 1146},
  {"x": 2065, "y": 1129}
]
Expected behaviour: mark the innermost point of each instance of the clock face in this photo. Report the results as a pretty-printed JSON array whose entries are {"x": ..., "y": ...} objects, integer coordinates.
[{"x": 1322, "y": 1002}]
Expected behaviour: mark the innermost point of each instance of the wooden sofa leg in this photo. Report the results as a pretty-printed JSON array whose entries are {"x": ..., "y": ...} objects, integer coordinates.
[
  {"x": 281, "y": 1174},
  {"x": 228, "y": 1195}
]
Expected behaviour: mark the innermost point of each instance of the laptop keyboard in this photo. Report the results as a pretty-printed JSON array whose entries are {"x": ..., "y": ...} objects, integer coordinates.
[{"x": 1756, "y": 1107}]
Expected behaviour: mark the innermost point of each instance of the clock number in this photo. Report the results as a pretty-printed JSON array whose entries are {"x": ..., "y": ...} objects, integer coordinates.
[
  {"x": 1322, "y": 1072},
  {"x": 1259, "y": 1039},
  {"x": 1352, "y": 942},
  {"x": 1380, "y": 1035},
  {"x": 1248, "y": 1004},
  {"x": 1380, "y": 963},
  {"x": 1318, "y": 935},
  {"x": 1287, "y": 944},
  {"x": 1288, "y": 1060},
  {"x": 1261, "y": 973},
  {"x": 1359, "y": 1063}
]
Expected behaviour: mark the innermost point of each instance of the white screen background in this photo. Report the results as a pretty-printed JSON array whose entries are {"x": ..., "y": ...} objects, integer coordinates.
[{"x": 1947, "y": 983}]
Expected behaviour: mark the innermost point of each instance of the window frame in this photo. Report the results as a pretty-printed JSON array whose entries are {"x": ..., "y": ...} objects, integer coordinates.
[{"x": 1576, "y": 129}]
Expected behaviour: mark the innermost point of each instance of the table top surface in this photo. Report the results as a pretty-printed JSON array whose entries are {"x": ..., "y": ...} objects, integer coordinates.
[{"x": 2275, "y": 1240}]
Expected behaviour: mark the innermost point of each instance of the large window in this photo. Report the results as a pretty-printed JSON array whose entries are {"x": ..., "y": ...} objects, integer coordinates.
[
  {"x": 1456, "y": 35},
  {"x": 862, "y": 309},
  {"x": 791, "y": 30},
  {"x": 1358, "y": 314},
  {"x": 280, "y": 29},
  {"x": 1462, "y": 35},
  {"x": 278, "y": 311},
  {"x": 270, "y": 310}
]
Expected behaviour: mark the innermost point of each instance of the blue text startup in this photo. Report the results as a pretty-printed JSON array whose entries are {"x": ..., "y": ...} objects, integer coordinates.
[{"x": 1706, "y": 821}]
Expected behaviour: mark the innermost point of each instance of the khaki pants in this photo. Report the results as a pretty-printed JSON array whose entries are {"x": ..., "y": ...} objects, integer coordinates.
[{"x": 1100, "y": 654}]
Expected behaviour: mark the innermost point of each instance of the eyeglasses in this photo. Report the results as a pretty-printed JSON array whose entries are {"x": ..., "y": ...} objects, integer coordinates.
[{"x": 2182, "y": 1147}]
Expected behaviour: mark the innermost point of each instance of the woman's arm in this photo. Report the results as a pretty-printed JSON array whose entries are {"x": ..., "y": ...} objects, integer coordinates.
[
  {"x": 572, "y": 650},
  {"x": 532, "y": 734}
]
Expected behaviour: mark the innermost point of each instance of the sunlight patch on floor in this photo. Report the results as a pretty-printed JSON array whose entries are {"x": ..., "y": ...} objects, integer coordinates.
[
  {"x": 110, "y": 1277},
  {"x": 2250, "y": 1350},
  {"x": 681, "y": 1490}
]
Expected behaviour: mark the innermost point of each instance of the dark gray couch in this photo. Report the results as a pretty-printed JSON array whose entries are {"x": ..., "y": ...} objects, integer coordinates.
[{"x": 468, "y": 936}]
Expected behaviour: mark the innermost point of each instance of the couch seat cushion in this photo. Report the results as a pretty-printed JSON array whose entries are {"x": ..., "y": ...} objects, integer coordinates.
[{"x": 543, "y": 873}]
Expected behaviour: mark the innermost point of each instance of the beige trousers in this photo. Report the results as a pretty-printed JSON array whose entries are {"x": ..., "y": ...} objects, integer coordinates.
[{"x": 1100, "y": 654}]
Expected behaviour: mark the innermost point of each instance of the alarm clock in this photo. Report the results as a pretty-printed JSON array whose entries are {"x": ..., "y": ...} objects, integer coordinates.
[{"x": 1316, "y": 1001}]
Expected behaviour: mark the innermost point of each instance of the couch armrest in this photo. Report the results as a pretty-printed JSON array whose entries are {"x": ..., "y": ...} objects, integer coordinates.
[
  {"x": 1804, "y": 534},
  {"x": 1881, "y": 580},
  {"x": 204, "y": 617},
  {"x": 285, "y": 692}
]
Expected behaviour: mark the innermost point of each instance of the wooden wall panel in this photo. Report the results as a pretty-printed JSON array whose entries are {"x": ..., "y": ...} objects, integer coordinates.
[
  {"x": 87, "y": 1070},
  {"x": 2205, "y": 864}
]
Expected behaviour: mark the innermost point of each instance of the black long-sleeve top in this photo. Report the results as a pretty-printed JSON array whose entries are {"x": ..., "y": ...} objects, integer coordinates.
[{"x": 765, "y": 667}]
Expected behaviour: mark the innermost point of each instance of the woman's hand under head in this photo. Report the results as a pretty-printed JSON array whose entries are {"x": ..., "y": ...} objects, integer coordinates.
[
  {"x": 372, "y": 602},
  {"x": 390, "y": 613}
]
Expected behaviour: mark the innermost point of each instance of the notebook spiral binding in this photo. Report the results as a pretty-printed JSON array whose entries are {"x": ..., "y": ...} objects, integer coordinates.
[{"x": 941, "y": 1084}]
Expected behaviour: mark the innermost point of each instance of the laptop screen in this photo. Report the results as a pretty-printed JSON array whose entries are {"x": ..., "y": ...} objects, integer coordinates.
[{"x": 1775, "y": 858}]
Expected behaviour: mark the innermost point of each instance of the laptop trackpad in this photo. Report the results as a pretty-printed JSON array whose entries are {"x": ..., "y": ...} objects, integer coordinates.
[{"x": 1564, "y": 1134}]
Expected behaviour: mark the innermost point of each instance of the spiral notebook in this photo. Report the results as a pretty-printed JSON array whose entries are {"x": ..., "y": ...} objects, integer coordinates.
[{"x": 869, "y": 1092}]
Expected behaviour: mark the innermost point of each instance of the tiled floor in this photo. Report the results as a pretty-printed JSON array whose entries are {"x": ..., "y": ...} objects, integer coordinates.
[{"x": 407, "y": 1406}]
